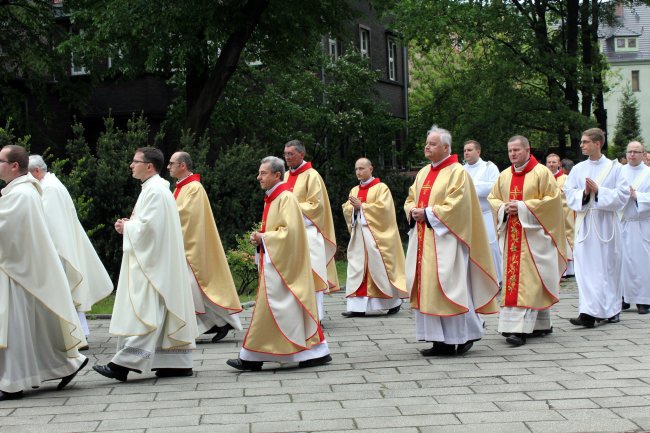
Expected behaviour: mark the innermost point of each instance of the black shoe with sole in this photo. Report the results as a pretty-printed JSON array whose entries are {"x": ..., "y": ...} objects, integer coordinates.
[
  {"x": 516, "y": 339},
  {"x": 464, "y": 348},
  {"x": 112, "y": 371},
  {"x": 222, "y": 331},
  {"x": 242, "y": 365},
  {"x": 614, "y": 319},
  {"x": 584, "y": 320},
  {"x": 625, "y": 306},
  {"x": 349, "y": 314},
  {"x": 394, "y": 310},
  {"x": 66, "y": 380},
  {"x": 541, "y": 332},
  {"x": 642, "y": 309},
  {"x": 315, "y": 362},
  {"x": 11, "y": 395},
  {"x": 439, "y": 349},
  {"x": 174, "y": 372}
]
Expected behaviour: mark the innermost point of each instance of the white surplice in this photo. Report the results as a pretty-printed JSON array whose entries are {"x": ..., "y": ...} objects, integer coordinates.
[
  {"x": 635, "y": 230},
  {"x": 153, "y": 315},
  {"x": 597, "y": 239},
  {"x": 39, "y": 328},
  {"x": 89, "y": 280},
  {"x": 484, "y": 175}
]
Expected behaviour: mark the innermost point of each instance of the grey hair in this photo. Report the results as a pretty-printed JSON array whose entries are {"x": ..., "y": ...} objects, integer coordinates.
[
  {"x": 36, "y": 161},
  {"x": 445, "y": 136},
  {"x": 275, "y": 164},
  {"x": 185, "y": 158},
  {"x": 297, "y": 144}
]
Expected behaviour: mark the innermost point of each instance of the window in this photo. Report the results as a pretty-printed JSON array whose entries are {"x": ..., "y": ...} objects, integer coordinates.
[
  {"x": 333, "y": 49},
  {"x": 392, "y": 59},
  {"x": 626, "y": 44},
  {"x": 635, "y": 81},
  {"x": 364, "y": 42},
  {"x": 76, "y": 69}
]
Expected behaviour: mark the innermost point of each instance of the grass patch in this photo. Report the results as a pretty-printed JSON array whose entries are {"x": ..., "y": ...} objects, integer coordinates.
[
  {"x": 342, "y": 271},
  {"x": 105, "y": 306}
]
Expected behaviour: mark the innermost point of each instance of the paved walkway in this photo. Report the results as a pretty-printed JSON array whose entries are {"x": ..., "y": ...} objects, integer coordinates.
[{"x": 575, "y": 380}]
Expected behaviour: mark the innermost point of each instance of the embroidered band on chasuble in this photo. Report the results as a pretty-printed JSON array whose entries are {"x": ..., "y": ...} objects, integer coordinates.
[{"x": 293, "y": 175}]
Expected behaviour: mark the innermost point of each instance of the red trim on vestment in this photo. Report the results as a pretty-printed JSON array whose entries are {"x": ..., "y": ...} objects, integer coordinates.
[
  {"x": 362, "y": 194},
  {"x": 179, "y": 185},
  {"x": 559, "y": 173},
  {"x": 198, "y": 283},
  {"x": 293, "y": 175},
  {"x": 268, "y": 199}
]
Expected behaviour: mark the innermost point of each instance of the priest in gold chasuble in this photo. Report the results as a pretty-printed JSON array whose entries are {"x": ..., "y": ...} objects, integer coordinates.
[
  {"x": 450, "y": 273},
  {"x": 284, "y": 326},
  {"x": 308, "y": 187},
  {"x": 530, "y": 226},
  {"x": 553, "y": 163},
  {"x": 216, "y": 301},
  {"x": 375, "y": 277}
]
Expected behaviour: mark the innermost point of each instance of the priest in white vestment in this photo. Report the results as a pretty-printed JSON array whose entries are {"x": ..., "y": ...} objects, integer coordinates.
[
  {"x": 449, "y": 269},
  {"x": 89, "y": 281},
  {"x": 597, "y": 191},
  {"x": 153, "y": 315},
  {"x": 375, "y": 277},
  {"x": 635, "y": 230},
  {"x": 484, "y": 174},
  {"x": 40, "y": 332},
  {"x": 284, "y": 326}
]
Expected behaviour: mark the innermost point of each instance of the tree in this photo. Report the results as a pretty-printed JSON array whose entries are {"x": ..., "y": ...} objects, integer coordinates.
[
  {"x": 197, "y": 46},
  {"x": 628, "y": 123}
]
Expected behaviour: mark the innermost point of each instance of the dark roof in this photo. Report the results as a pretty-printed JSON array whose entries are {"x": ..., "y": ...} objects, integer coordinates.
[{"x": 634, "y": 22}]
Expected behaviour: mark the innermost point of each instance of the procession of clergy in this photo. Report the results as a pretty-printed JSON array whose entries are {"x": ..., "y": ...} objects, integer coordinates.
[{"x": 472, "y": 230}]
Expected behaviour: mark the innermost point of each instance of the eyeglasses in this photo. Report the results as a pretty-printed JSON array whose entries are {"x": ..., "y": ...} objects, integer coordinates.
[
  {"x": 5, "y": 161},
  {"x": 136, "y": 161},
  {"x": 172, "y": 163},
  {"x": 634, "y": 152}
]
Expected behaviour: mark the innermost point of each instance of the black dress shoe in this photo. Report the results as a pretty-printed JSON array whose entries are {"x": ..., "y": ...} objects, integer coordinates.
[
  {"x": 516, "y": 339},
  {"x": 541, "y": 332},
  {"x": 174, "y": 372},
  {"x": 212, "y": 330},
  {"x": 394, "y": 310},
  {"x": 83, "y": 348},
  {"x": 66, "y": 380},
  {"x": 464, "y": 348},
  {"x": 642, "y": 309},
  {"x": 439, "y": 349},
  {"x": 584, "y": 320},
  {"x": 11, "y": 395},
  {"x": 352, "y": 314},
  {"x": 315, "y": 362},
  {"x": 240, "y": 364},
  {"x": 222, "y": 331},
  {"x": 614, "y": 319},
  {"x": 111, "y": 372},
  {"x": 625, "y": 306}
]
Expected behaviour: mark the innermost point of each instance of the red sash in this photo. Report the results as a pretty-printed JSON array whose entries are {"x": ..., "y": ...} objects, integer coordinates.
[
  {"x": 515, "y": 233},
  {"x": 559, "y": 173},
  {"x": 182, "y": 183},
  {"x": 293, "y": 175},
  {"x": 423, "y": 202},
  {"x": 362, "y": 194}
]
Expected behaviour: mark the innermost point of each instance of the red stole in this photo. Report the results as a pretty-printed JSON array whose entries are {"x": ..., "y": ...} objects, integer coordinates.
[
  {"x": 515, "y": 233},
  {"x": 559, "y": 173},
  {"x": 423, "y": 202},
  {"x": 293, "y": 175},
  {"x": 182, "y": 183},
  {"x": 267, "y": 203},
  {"x": 362, "y": 195}
]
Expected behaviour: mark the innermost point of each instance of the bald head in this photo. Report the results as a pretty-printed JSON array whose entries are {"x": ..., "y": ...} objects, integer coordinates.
[
  {"x": 363, "y": 169},
  {"x": 180, "y": 165}
]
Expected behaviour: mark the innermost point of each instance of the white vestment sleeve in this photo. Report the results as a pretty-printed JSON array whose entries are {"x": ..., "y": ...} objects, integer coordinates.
[
  {"x": 643, "y": 204},
  {"x": 435, "y": 223},
  {"x": 484, "y": 185}
]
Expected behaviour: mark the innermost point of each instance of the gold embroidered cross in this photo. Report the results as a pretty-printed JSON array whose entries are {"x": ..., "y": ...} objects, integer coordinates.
[{"x": 515, "y": 194}]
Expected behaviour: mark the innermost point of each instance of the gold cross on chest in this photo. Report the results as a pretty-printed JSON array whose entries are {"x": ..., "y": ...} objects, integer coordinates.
[
  {"x": 426, "y": 186},
  {"x": 516, "y": 193}
]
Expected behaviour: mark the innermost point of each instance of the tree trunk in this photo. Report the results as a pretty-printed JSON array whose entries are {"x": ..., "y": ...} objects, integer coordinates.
[{"x": 208, "y": 87}]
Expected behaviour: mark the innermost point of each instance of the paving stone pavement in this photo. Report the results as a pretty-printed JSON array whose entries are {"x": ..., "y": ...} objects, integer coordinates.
[{"x": 575, "y": 380}]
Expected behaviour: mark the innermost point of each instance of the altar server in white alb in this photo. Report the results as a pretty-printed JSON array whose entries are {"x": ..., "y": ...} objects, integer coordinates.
[
  {"x": 88, "y": 279},
  {"x": 635, "y": 270},
  {"x": 375, "y": 277},
  {"x": 484, "y": 175},
  {"x": 597, "y": 191},
  {"x": 39, "y": 329},
  {"x": 153, "y": 315}
]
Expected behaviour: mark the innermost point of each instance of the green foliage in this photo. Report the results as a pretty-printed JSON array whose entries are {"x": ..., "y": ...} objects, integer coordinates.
[
  {"x": 241, "y": 261},
  {"x": 628, "y": 124}
]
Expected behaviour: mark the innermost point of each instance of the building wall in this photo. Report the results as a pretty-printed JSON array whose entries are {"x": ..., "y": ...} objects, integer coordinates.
[{"x": 621, "y": 74}]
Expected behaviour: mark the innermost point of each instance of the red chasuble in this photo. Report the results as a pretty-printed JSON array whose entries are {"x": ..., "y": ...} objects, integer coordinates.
[
  {"x": 423, "y": 202},
  {"x": 182, "y": 183},
  {"x": 515, "y": 232},
  {"x": 293, "y": 175}
]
